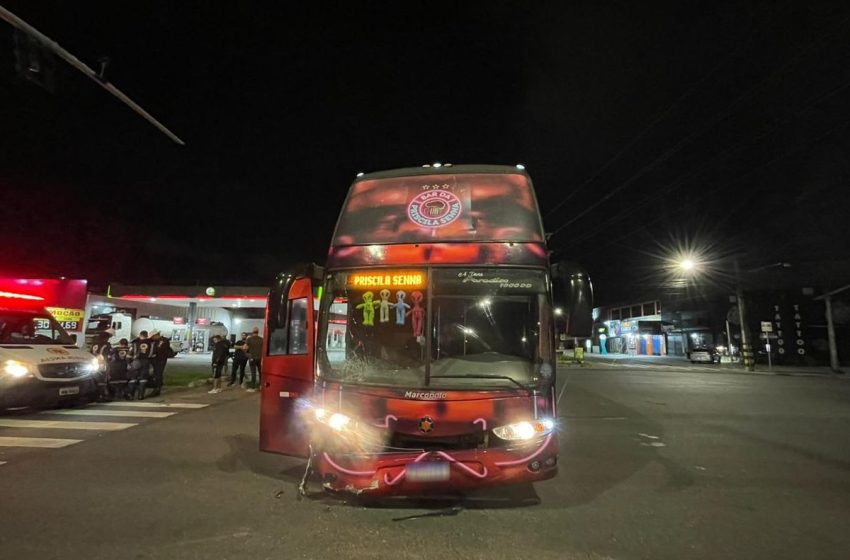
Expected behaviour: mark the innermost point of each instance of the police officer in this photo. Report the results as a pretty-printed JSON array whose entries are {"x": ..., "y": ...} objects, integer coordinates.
[
  {"x": 101, "y": 349},
  {"x": 117, "y": 370},
  {"x": 141, "y": 349},
  {"x": 101, "y": 346},
  {"x": 161, "y": 352}
]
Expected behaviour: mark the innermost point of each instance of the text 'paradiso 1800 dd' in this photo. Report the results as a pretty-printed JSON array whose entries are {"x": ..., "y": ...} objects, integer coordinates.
[{"x": 421, "y": 359}]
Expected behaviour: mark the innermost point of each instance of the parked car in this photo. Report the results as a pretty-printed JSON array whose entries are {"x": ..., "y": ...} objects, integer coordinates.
[{"x": 704, "y": 354}]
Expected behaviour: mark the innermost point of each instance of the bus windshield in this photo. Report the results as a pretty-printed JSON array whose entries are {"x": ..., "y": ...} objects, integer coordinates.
[{"x": 452, "y": 328}]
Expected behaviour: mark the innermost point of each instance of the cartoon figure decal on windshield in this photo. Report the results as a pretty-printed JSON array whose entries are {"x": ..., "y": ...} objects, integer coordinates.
[
  {"x": 418, "y": 314},
  {"x": 384, "y": 305},
  {"x": 400, "y": 307},
  {"x": 368, "y": 307}
]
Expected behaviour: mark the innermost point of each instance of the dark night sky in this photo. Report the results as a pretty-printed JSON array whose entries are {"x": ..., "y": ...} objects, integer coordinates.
[{"x": 723, "y": 124}]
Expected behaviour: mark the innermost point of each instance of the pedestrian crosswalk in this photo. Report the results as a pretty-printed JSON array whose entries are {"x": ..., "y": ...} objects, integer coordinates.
[
  {"x": 143, "y": 404},
  {"x": 46, "y": 429},
  {"x": 36, "y": 442},
  {"x": 65, "y": 425},
  {"x": 104, "y": 412}
]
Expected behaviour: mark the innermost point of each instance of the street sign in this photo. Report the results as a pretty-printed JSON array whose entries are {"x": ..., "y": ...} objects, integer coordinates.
[{"x": 766, "y": 326}]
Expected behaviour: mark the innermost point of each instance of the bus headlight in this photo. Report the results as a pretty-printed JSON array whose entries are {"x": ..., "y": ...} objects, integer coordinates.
[
  {"x": 16, "y": 369},
  {"x": 524, "y": 431},
  {"x": 336, "y": 421},
  {"x": 93, "y": 366}
]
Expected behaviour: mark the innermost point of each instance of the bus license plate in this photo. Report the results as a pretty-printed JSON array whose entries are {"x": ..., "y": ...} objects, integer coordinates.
[
  {"x": 427, "y": 472},
  {"x": 69, "y": 391}
]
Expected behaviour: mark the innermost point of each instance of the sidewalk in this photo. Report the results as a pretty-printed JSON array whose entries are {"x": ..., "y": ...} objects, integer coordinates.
[{"x": 679, "y": 362}]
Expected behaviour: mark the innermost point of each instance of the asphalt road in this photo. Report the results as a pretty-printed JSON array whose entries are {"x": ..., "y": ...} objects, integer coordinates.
[{"x": 654, "y": 464}]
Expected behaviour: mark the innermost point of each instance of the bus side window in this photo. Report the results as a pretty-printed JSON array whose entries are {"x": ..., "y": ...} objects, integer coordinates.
[
  {"x": 298, "y": 326},
  {"x": 278, "y": 301}
]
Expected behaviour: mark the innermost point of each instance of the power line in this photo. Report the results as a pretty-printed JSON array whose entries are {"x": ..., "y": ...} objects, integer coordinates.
[
  {"x": 713, "y": 161},
  {"x": 699, "y": 132},
  {"x": 844, "y": 124},
  {"x": 53, "y": 46},
  {"x": 652, "y": 124}
]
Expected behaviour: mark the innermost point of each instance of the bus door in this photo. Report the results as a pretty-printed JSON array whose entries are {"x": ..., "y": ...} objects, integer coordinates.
[{"x": 287, "y": 365}]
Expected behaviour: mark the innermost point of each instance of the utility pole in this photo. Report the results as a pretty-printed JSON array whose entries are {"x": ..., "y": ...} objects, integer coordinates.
[
  {"x": 728, "y": 339},
  {"x": 830, "y": 331},
  {"x": 747, "y": 356},
  {"x": 834, "y": 364}
]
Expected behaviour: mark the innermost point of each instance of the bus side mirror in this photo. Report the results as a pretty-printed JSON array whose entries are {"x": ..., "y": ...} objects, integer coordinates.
[{"x": 573, "y": 290}]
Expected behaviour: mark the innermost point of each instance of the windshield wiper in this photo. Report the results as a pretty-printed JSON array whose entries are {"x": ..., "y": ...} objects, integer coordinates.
[{"x": 482, "y": 376}]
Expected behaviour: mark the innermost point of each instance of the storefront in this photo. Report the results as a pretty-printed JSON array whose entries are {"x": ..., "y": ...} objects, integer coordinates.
[
  {"x": 633, "y": 329},
  {"x": 636, "y": 337}
]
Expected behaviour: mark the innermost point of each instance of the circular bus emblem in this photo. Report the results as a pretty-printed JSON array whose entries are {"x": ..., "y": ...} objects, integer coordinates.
[
  {"x": 434, "y": 209},
  {"x": 426, "y": 425}
]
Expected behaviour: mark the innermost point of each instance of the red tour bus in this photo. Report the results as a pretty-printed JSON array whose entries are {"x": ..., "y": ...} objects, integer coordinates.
[{"x": 421, "y": 359}]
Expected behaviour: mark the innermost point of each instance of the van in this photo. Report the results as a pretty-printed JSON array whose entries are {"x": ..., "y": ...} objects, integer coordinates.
[{"x": 39, "y": 363}]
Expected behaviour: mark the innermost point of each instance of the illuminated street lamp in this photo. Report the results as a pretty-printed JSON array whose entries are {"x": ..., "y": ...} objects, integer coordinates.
[{"x": 687, "y": 265}]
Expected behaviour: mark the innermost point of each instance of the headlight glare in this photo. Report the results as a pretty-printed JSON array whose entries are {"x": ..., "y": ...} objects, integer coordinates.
[
  {"x": 524, "y": 431},
  {"x": 338, "y": 421},
  {"x": 335, "y": 421},
  {"x": 15, "y": 368}
]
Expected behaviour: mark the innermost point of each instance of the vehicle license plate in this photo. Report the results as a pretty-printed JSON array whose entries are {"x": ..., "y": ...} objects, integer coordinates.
[
  {"x": 69, "y": 391},
  {"x": 427, "y": 472},
  {"x": 701, "y": 357}
]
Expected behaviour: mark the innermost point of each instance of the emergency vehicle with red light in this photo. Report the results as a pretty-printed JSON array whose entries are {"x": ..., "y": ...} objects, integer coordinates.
[{"x": 40, "y": 364}]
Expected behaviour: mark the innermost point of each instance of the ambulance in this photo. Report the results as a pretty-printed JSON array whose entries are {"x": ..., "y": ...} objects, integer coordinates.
[{"x": 39, "y": 363}]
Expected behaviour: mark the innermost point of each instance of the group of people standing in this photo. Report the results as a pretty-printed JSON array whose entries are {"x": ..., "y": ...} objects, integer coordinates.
[
  {"x": 129, "y": 368},
  {"x": 248, "y": 350}
]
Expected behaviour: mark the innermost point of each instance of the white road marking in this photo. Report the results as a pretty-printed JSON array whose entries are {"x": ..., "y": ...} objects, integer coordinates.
[
  {"x": 102, "y": 412},
  {"x": 65, "y": 425},
  {"x": 648, "y": 436},
  {"x": 654, "y": 444},
  {"x": 143, "y": 404},
  {"x": 561, "y": 394},
  {"x": 52, "y": 443},
  {"x": 2, "y": 463}
]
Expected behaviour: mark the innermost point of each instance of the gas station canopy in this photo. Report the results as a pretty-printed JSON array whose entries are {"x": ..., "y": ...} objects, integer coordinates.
[{"x": 202, "y": 296}]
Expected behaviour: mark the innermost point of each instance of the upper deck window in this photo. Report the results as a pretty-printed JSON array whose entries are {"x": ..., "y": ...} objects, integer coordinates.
[{"x": 436, "y": 208}]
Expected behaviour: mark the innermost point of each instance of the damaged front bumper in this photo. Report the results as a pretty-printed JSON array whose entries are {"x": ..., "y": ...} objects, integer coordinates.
[{"x": 389, "y": 474}]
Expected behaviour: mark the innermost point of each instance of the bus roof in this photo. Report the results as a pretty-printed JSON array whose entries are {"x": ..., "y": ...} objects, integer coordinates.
[
  {"x": 457, "y": 203},
  {"x": 446, "y": 169}
]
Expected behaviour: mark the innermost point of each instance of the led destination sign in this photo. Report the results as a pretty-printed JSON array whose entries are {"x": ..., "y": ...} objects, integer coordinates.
[{"x": 410, "y": 279}]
